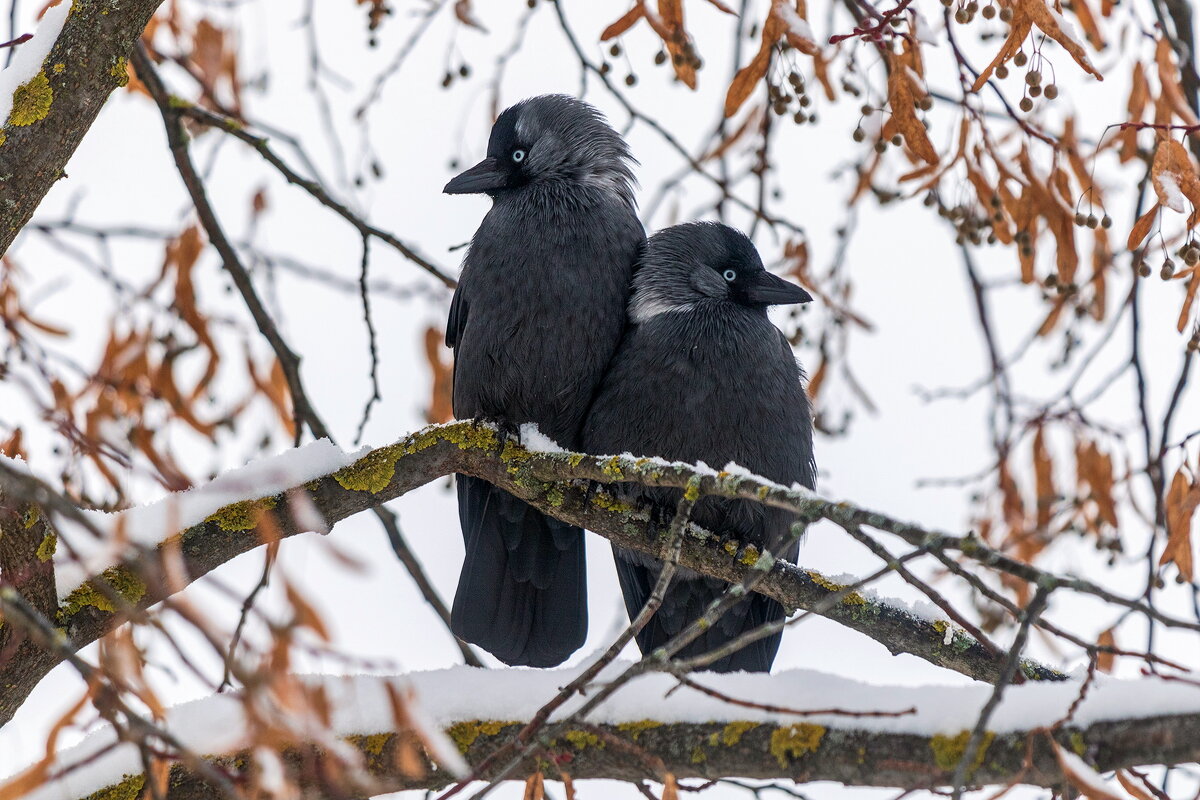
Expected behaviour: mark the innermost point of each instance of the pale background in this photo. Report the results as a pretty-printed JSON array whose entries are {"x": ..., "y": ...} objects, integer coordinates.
[{"x": 908, "y": 275}]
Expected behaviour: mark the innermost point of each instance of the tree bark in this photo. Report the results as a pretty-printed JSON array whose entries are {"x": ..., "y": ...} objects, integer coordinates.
[
  {"x": 801, "y": 751},
  {"x": 553, "y": 482},
  {"x": 86, "y": 63}
]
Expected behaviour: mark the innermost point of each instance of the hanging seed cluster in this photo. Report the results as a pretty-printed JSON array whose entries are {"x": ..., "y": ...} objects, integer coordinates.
[
  {"x": 463, "y": 71},
  {"x": 1188, "y": 252},
  {"x": 782, "y": 99},
  {"x": 973, "y": 224},
  {"x": 965, "y": 13},
  {"x": 1035, "y": 85}
]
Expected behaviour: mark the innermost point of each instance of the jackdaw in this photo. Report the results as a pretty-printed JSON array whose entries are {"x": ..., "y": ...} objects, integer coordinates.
[
  {"x": 537, "y": 315},
  {"x": 703, "y": 375}
]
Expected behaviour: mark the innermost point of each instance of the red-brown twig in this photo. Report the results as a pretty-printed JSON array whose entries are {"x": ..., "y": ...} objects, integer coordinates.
[{"x": 874, "y": 33}]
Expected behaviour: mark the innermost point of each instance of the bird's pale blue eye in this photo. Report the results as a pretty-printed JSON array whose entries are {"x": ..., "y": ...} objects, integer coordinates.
[
  {"x": 729, "y": 275},
  {"x": 518, "y": 156}
]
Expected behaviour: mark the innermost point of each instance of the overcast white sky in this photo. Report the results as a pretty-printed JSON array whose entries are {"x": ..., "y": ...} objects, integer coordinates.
[{"x": 908, "y": 278}]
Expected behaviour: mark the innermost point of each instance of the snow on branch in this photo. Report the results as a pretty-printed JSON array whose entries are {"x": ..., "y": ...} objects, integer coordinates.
[
  {"x": 552, "y": 480},
  {"x": 78, "y": 56},
  {"x": 843, "y": 730}
]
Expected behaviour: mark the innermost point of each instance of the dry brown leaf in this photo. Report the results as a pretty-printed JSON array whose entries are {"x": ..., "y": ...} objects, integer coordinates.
[
  {"x": 797, "y": 32},
  {"x": 1082, "y": 776},
  {"x": 466, "y": 15},
  {"x": 821, "y": 71},
  {"x": 1013, "y": 508},
  {"x": 1182, "y": 499},
  {"x": 441, "y": 395},
  {"x": 1141, "y": 228},
  {"x": 1104, "y": 661},
  {"x": 258, "y": 203},
  {"x": 1043, "y": 469},
  {"x": 534, "y": 787},
  {"x": 627, "y": 21},
  {"x": 1139, "y": 95},
  {"x": 1052, "y": 318},
  {"x": 1057, "y": 213},
  {"x": 11, "y": 446},
  {"x": 1132, "y": 787},
  {"x": 670, "y": 788},
  {"x": 1102, "y": 262},
  {"x": 748, "y": 76},
  {"x": 817, "y": 379},
  {"x": 1174, "y": 178},
  {"x": 306, "y": 616},
  {"x": 905, "y": 89},
  {"x": 1087, "y": 20},
  {"x": 1171, "y": 95},
  {"x": 670, "y": 28},
  {"x": 749, "y": 123},
  {"x": 1026, "y": 14},
  {"x": 1188, "y": 299},
  {"x": 1094, "y": 469}
]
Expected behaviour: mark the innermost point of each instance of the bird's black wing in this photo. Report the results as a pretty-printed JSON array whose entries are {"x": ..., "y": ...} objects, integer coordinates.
[
  {"x": 522, "y": 593},
  {"x": 458, "y": 317},
  {"x": 686, "y": 601}
]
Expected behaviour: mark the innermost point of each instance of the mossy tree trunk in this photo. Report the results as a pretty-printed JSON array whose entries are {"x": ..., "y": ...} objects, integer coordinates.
[{"x": 54, "y": 110}]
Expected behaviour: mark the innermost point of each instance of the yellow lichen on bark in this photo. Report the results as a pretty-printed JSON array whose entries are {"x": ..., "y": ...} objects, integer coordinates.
[{"x": 31, "y": 101}]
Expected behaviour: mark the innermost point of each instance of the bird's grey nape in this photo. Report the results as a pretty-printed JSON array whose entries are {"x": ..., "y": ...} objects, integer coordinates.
[
  {"x": 679, "y": 269},
  {"x": 571, "y": 140}
]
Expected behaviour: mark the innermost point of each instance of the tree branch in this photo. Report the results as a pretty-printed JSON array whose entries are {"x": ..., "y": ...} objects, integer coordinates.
[
  {"x": 800, "y": 751},
  {"x": 550, "y": 482},
  {"x": 86, "y": 63}
]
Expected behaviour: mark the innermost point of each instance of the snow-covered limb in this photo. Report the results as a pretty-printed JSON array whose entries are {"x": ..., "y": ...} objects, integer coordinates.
[
  {"x": 691, "y": 734},
  {"x": 541, "y": 476},
  {"x": 54, "y": 107}
]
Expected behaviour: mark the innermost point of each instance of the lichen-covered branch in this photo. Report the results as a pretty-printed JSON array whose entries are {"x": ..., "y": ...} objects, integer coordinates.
[
  {"x": 552, "y": 482},
  {"x": 648, "y": 749},
  {"x": 56, "y": 108}
]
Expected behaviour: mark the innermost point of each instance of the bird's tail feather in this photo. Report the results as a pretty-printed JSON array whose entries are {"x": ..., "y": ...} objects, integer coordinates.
[
  {"x": 522, "y": 593},
  {"x": 686, "y": 600}
]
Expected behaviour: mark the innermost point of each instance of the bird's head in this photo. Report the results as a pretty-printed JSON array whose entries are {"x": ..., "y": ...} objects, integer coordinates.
[
  {"x": 546, "y": 139},
  {"x": 699, "y": 264}
]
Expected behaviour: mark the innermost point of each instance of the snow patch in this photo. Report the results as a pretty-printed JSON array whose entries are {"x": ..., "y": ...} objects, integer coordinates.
[
  {"x": 536, "y": 441},
  {"x": 360, "y": 705},
  {"x": 924, "y": 32},
  {"x": 796, "y": 24},
  {"x": 150, "y": 524},
  {"x": 1171, "y": 194},
  {"x": 28, "y": 57}
]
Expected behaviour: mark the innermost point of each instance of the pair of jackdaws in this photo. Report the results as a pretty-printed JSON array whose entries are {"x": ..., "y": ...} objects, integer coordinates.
[{"x": 567, "y": 316}]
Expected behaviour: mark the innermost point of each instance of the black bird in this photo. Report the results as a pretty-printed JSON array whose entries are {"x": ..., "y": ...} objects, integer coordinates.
[
  {"x": 703, "y": 375},
  {"x": 537, "y": 315}
]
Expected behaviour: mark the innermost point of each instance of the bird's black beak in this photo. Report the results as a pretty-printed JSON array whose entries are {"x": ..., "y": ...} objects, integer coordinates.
[
  {"x": 772, "y": 290},
  {"x": 483, "y": 177}
]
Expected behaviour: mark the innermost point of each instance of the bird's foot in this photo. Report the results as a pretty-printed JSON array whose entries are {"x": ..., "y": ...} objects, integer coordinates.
[{"x": 506, "y": 429}]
